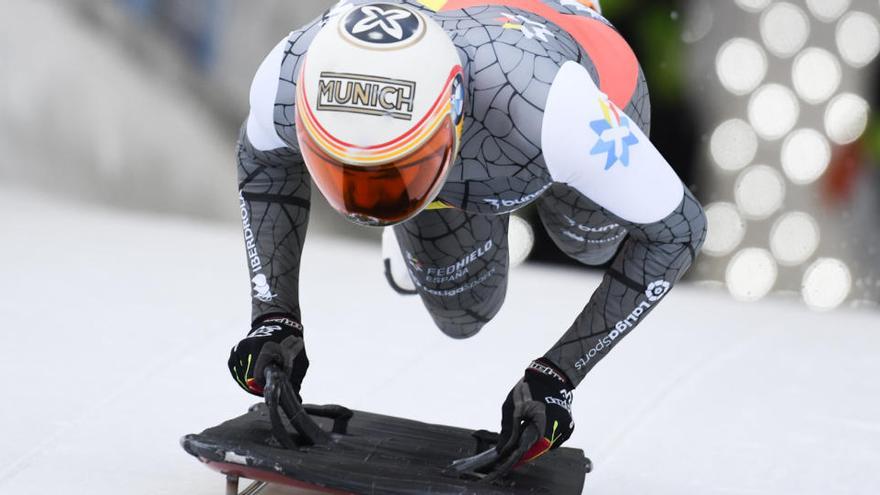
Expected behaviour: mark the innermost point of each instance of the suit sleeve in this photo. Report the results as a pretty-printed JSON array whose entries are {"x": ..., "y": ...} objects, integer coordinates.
[
  {"x": 594, "y": 148},
  {"x": 274, "y": 197}
]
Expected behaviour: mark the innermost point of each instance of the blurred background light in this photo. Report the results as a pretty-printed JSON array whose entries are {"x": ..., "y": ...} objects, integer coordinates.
[
  {"x": 726, "y": 229},
  {"x": 759, "y": 191},
  {"x": 520, "y": 239},
  {"x": 773, "y": 111},
  {"x": 794, "y": 238},
  {"x": 827, "y": 10},
  {"x": 741, "y": 65},
  {"x": 751, "y": 274},
  {"x": 784, "y": 29},
  {"x": 753, "y": 5},
  {"x": 858, "y": 38},
  {"x": 733, "y": 144},
  {"x": 816, "y": 75},
  {"x": 846, "y": 118},
  {"x": 699, "y": 22},
  {"x": 806, "y": 154},
  {"x": 826, "y": 284}
]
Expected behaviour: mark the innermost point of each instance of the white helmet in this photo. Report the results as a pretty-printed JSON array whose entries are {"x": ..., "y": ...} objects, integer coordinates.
[{"x": 380, "y": 101}]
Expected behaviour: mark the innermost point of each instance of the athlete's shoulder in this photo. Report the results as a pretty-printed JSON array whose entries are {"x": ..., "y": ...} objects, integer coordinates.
[
  {"x": 505, "y": 31},
  {"x": 511, "y": 56},
  {"x": 565, "y": 14},
  {"x": 270, "y": 123}
]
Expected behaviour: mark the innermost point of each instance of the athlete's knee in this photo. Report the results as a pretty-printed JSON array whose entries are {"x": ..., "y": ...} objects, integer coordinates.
[
  {"x": 462, "y": 312},
  {"x": 464, "y": 323},
  {"x": 687, "y": 224},
  {"x": 458, "y": 329},
  {"x": 684, "y": 228}
]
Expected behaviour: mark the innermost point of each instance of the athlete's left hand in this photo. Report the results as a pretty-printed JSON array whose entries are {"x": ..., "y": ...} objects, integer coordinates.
[{"x": 542, "y": 397}]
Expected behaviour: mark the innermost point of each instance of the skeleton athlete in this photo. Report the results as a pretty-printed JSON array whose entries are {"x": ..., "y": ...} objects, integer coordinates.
[{"x": 439, "y": 118}]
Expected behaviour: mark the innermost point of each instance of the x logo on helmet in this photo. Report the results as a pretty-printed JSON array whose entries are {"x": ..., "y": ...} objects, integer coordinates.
[{"x": 387, "y": 20}]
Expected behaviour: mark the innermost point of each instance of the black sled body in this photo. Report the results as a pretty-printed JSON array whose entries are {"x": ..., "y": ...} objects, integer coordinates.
[{"x": 375, "y": 454}]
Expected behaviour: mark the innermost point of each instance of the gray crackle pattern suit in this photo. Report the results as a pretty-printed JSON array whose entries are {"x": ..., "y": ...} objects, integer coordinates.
[{"x": 458, "y": 256}]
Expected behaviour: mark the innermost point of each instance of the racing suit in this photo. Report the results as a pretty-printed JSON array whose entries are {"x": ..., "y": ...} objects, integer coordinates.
[{"x": 556, "y": 112}]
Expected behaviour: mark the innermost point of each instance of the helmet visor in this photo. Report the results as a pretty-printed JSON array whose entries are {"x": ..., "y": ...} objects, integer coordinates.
[{"x": 387, "y": 193}]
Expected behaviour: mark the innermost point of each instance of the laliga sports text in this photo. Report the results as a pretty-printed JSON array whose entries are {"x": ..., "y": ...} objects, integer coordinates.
[{"x": 654, "y": 292}]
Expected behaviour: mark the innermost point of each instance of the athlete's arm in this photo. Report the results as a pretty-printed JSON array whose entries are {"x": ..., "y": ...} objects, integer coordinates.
[
  {"x": 590, "y": 145},
  {"x": 274, "y": 196}
]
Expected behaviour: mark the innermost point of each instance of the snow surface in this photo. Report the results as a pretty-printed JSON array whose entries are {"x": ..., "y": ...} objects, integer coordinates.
[{"x": 116, "y": 329}]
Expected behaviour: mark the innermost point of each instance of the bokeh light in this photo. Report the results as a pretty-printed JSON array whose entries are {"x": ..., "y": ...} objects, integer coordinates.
[
  {"x": 794, "y": 238},
  {"x": 846, "y": 118},
  {"x": 858, "y": 38},
  {"x": 759, "y": 191},
  {"x": 726, "y": 229},
  {"x": 741, "y": 65},
  {"x": 816, "y": 75},
  {"x": 806, "y": 154},
  {"x": 826, "y": 284},
  {"x": 827, "y": 10},
  {"x": 733, "y": 144},
  {"x": 521, "y": 239},
  {"x": 773, "y": 111},
  {"x": 751, "y": 274},
  {"x": 784, "y": 29},
  {"x": 753, "y": 5},
  {"x": 699, "y": 23}
]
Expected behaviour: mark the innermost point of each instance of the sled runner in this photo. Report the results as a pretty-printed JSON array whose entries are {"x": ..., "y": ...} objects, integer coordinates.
[{"x": 332, "y": 449}]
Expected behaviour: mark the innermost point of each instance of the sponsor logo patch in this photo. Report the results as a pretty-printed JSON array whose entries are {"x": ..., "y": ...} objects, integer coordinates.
[
  {"x": 529, "y": 28},
  {"x": 457, "y": 100},
  {"x": 545, "y": 370},
  {"x": 264, "y": 331},
  {"x": 518, "y": 202},
  {"x": 262, "y": 291},
  {"x": 589, "y": 229},
  {"x": 654, "y": 292},
  {"x": 414, "y": 262},
  {"x": 437, "y": 275},
  {"x": 284, "y": 321},
  {"x": 364, "y": 94},
  {"x": 457, "y": 290},
  {"x": 657, "y": 290},
  {"x": 615, "y": 136},
  {"x": 383, "y": 25},
  {"x": 565, "y": 402}
]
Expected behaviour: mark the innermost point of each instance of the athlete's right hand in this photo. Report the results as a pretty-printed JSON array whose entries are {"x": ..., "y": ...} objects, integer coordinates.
[{"x": 273, "y": 339}]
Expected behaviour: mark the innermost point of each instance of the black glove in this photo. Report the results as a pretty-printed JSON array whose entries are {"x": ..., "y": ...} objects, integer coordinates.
[
  {"x": 542, "y": 397},
  {"x": 272, "y": 340}
]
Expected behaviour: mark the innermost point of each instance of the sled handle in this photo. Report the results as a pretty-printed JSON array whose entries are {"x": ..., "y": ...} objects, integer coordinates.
[
  {"x": 279, "y": 395},
  {"x": 489, "y": 465},
  {"x": 340, "y": 415}
]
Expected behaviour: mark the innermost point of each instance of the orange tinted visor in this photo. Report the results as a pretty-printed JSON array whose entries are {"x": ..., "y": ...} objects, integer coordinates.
[{"x": 385, "y": 194}]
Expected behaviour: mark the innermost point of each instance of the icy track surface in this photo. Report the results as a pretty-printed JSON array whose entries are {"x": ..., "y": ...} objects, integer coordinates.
[{"x": 116, "y": 328}]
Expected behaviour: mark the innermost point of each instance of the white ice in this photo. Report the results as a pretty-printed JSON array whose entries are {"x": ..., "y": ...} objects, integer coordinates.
[{"x": 116, "y": 329}]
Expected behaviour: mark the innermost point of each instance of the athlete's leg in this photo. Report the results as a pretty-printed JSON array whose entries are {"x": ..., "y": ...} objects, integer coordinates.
[
  {"x": 578, "y": 226},
  {"x": 459, "y": 264}
]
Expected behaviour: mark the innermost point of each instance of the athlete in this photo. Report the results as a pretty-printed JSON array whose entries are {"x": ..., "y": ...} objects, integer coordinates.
[{"x": 437, "y": 119}]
